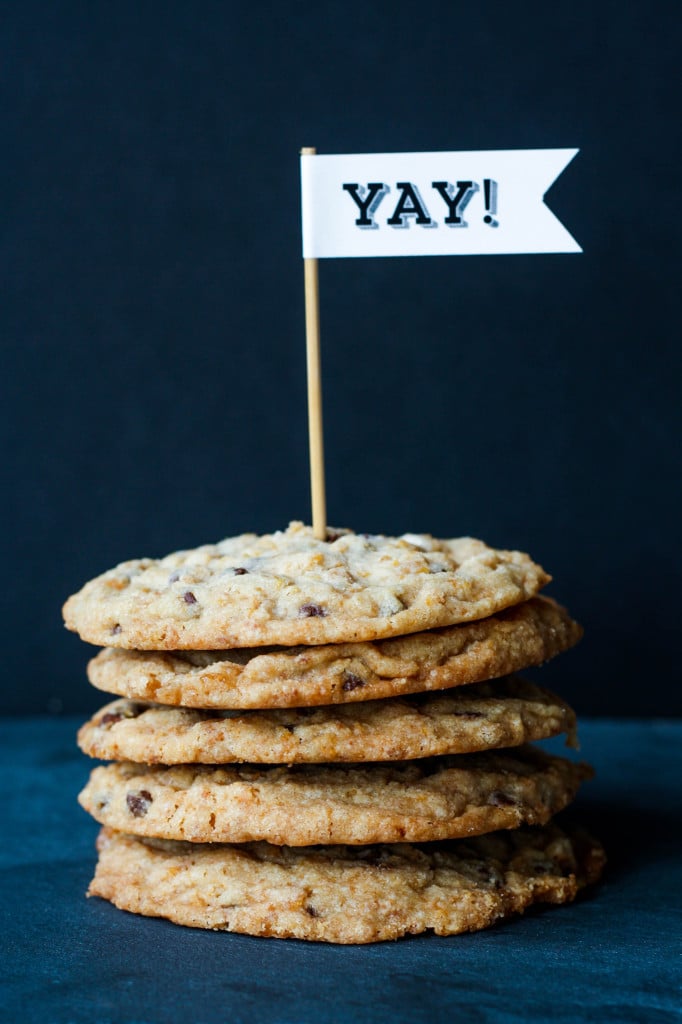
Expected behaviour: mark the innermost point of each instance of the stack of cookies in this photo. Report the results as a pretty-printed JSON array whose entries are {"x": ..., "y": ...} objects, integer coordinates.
[{"x": 322, "y": 739}]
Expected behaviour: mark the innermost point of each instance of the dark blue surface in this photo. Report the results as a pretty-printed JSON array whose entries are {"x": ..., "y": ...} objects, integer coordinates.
[{"x": 612, "y": 956}]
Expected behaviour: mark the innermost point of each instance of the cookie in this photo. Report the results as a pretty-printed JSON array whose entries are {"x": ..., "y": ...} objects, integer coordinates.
[
  {"x": 411, "y": 801},
  {"x": 346, "y": 894},
  {"x": 290, "y": 588},
  {"x": 526, "y": 634},
  {"x": 506, "y": 713}
]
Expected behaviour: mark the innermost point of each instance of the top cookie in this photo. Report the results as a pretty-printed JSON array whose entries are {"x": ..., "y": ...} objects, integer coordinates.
[{"x": 290, "y": 588}]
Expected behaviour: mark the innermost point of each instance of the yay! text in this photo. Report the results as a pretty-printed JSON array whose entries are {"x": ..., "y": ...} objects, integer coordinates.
[{"x": 447, "y": 201}]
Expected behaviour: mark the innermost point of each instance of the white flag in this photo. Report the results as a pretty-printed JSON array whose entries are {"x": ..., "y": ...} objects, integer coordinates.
[{"x": 432, "y": 204}]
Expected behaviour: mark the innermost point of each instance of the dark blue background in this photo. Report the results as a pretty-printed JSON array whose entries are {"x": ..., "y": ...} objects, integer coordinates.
[{"x": 152, "y": 312}]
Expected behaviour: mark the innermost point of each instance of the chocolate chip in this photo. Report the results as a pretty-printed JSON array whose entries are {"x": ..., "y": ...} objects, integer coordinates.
[
  {"x": 333, "y": 535},
  {"x": 110, "y": 718},
  {"x": 500, "y": 799},
  {"x": 241, "y": 571},
  {"x": 312, "y": 610},
  {"x": 129, "y": 710},
  {"x": 138, "y": 803},
  {"x": 351, "y": 681},
  {"x": 116, "y": 629},
  {"x": 289, "y": 727},
  {"x": 488, "y": 875},
  {"x": 311, "y": 910},
  {"x": 189, "y": 597}
]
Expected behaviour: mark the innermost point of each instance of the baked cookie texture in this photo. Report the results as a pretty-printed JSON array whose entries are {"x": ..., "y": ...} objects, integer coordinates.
[
  {"x": 322, "y": 739},
  {"x": 290, "y": 588},
  {"x": 505, "y": 713},
  {"x": 518, "y": 637},
  {"x": 346, "y": 894},
  {"x": 305, "y": 805}
]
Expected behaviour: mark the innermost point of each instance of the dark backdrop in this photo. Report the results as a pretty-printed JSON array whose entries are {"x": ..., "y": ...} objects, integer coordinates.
[{"x": 152, "y": 311}]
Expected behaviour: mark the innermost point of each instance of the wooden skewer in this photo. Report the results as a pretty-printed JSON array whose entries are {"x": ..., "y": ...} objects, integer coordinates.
[{"x": 315, "y": 437}]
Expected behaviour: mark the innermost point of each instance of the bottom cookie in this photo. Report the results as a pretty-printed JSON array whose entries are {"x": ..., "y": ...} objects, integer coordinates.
[{"x": 346, "y": 894}]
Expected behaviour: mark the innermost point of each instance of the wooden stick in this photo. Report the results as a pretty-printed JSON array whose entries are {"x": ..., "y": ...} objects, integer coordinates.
[{"x": 315, "y": 438}]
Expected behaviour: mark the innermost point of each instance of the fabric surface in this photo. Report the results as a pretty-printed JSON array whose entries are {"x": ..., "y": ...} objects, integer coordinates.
[{"x": 612, "y": 956}]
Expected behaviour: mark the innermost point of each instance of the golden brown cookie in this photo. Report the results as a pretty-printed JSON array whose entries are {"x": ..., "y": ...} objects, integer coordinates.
[
  {"x": 346, "y": 894},
  {"x": 526, "y": 634},
  {"x": 302, "y": 805},
  {"x": 290, "y": 588},
  {"x": 505, "y": 713}
]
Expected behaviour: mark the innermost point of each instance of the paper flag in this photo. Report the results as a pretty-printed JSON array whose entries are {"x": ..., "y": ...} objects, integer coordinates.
[{"x": 432, "y": 204}]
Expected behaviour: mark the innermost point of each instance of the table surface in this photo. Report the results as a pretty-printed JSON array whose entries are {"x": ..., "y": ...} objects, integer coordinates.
[{"x": 614, "y": 955}]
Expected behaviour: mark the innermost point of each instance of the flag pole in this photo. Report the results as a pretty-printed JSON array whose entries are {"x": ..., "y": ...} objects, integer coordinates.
[{"x": 315, "y": 439}]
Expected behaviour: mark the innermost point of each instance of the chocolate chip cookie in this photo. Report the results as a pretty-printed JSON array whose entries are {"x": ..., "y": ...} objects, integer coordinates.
[
  {"x": 346, "y": 894},
  {"x": 290, "y": 588},
  {"x": 302, "y": 805},
  {"x": 505, "y": 713},
  {"x": 526, "y": 634}
]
